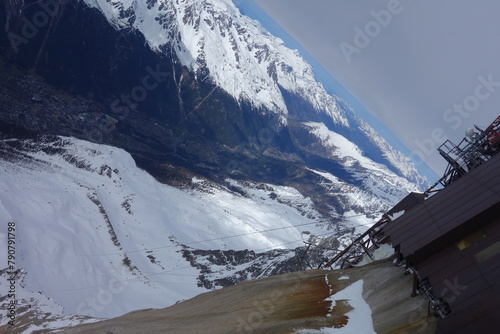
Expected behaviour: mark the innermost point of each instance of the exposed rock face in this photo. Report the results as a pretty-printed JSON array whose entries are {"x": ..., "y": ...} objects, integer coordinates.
[{"x": 225, "y": 268}]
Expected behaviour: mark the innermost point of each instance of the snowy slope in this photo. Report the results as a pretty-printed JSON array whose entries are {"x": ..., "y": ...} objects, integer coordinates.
[
  {"x": 395, "y": 158},
  {"x": 375, "y": 178},
  {"x": 93, "y": 230},
  {"x": 35, "y": 311}
]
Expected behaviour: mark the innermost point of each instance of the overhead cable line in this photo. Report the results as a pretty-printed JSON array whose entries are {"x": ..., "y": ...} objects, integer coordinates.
[{"x": 218, "y": 238}]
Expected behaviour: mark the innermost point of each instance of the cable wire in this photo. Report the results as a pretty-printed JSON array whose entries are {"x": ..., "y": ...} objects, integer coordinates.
[{"x": 214, "y": 239}]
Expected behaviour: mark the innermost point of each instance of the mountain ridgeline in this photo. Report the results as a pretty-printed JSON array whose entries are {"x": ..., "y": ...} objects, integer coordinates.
[{"x": 197, "y": 84}]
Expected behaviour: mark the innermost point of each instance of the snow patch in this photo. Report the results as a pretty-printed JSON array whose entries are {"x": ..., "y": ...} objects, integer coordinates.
[
  {"x": 359, "y": 319},
  {"x": 398, "y": 214},
  {"x": 383, "y": 252},
  {"x": 35, "y": 306}
]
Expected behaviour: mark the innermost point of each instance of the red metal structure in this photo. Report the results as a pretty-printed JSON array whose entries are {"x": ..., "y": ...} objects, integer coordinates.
[
  {"x": 366, "y": 243},
  {"x": 475, "y": 149}
]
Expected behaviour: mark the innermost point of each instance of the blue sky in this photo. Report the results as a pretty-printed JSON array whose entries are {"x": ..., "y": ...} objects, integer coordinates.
[{"x": 427, "y": 70}]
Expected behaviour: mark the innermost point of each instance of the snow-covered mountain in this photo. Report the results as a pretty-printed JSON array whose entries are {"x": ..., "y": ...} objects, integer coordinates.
[
  {"x": 88, "y": 220},
  {"x": 208, "y": 154},
  {"x": 216, "y": 42},
  {"x": 212, "y": 38}
]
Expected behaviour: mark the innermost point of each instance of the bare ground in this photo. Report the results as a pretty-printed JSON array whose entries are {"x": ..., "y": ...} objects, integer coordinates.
[{"x": 284, "y": 304}]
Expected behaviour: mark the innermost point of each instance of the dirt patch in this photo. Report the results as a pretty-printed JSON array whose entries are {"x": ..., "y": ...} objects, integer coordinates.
[
  {"x": 285, "y": 304},
  {"x": 307, "y": 302}
]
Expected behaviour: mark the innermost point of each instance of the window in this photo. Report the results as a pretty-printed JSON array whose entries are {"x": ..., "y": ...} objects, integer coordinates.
[
  {"x": 470, "y": 240},
  {"x": 488, "y": 252}
]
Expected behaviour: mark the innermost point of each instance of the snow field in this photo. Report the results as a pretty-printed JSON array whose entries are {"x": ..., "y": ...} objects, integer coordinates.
[{"x": 76, "y": 228}]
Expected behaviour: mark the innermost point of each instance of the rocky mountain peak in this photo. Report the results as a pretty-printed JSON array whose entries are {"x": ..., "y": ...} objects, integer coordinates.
[{"x": 216, "y": 42}]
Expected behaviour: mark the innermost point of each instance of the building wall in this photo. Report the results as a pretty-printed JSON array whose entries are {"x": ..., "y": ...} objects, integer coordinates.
[
  {"x": 453, "y": 239},
  {"x": 467, "y": 275},
  {"x": 429, "y": 226}
]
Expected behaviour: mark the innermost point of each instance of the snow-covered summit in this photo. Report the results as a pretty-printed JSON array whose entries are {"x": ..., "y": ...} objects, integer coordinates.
[{"x": 215, "y": 41}]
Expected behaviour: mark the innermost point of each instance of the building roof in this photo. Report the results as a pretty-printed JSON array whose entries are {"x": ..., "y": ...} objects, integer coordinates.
[{"x": 434, "y": 223}]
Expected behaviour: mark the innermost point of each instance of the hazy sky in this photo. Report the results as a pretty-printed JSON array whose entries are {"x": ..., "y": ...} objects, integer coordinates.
[{"x": 428, "y": 69}]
